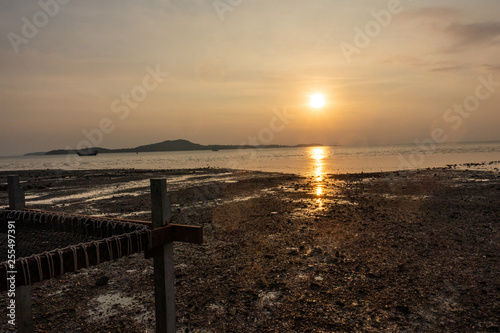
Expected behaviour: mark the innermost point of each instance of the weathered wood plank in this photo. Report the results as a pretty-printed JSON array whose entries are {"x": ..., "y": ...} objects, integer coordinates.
[{"x": 176, "y": 233}]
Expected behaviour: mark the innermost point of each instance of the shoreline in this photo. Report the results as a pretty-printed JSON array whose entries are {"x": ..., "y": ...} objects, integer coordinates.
[
  {"x": 294, "y": 160},
  {"x": 404, "y": 250}
]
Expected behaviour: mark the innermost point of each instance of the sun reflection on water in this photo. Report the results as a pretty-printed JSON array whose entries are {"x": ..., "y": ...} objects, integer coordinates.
[
  {"x": 319, "y": 190},
  {"x": 317, "y": 155}
]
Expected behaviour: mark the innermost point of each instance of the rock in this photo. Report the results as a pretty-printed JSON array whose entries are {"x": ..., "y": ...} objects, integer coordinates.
[
  {"x": 314, "y": 286},
  {"x": 101, "y": 281},
  {"x": 403, "y": 309},
  {"x": 493, "y": 328}
]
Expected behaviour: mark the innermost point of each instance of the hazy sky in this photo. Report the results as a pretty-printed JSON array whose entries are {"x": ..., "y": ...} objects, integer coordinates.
[{"x": 394, "y": 77}]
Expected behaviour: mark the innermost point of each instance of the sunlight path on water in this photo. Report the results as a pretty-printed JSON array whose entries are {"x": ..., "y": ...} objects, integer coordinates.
[{"x": 317, "y": 155}]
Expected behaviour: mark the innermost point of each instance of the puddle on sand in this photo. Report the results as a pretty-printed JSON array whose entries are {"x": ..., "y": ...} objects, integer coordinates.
[
  {"x": 89, "y": 212},
  {"x": 135, "y": 188},
  {"x": 405, "y": 196},
  {"x": 105, "y": 306},
  {"x": 217, "y": 308},
  {"x": 32, "y": 196},
  {"x": 104, "y": 191},
  {"x": 268, "y": 298},
  {"x": 470, "y": 180},
  {"x": 134, "y": 214},
  {"x": 315, "y": 204},
  {"x": 217, "y": 202}
]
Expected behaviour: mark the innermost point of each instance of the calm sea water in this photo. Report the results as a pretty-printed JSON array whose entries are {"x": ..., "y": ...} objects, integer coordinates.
[{"x": 305, "y": 161}]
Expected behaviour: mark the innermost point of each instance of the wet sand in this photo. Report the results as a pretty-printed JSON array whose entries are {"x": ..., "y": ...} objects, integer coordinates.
[{"x": 396, "y": 251}]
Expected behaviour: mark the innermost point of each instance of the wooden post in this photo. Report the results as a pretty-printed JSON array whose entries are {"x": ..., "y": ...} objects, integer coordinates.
[
  {"x": 164, "y": 262},
  {"x": 16, "y": 194},
  {"x": 24, "y": 316}
]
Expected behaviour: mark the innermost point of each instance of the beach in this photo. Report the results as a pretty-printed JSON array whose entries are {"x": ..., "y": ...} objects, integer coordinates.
[
  {"x": 413, "y": 251},
  {"x": 330, "y": 166}
]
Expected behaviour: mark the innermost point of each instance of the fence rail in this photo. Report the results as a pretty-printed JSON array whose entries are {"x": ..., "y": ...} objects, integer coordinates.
[{"x": 105, "y": 239}]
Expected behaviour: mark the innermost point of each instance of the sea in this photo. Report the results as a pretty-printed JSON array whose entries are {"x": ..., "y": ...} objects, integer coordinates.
[{"x": 303, "y": 161}]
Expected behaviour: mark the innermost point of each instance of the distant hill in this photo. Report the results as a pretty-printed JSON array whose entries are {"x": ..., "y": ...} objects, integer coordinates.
[
  {"x": 65, "y": 152},
  {"x": 170, "y": 145}
]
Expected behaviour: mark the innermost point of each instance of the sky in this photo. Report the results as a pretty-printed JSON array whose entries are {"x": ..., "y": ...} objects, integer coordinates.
[{"x": 123, "y": 73}]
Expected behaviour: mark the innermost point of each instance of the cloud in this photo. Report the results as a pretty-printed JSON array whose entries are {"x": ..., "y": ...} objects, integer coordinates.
[
  {"x": 426, "y": 65},
  {"x": 491, "y": 68},
  {"x": 445, "y": 40},
  {"x": 446, "y": 68},
  {"x": 446, "y": 22},
  {"x": 470, "y": 35},
  {"x": 430, "y": 13}
]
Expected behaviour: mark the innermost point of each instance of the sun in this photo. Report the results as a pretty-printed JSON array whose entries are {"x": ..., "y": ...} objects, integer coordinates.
[{"x": 317, "y": 101}]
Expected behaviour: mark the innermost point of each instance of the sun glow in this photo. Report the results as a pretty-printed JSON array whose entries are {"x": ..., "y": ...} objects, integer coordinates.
[{"x": 317, "y": 101}]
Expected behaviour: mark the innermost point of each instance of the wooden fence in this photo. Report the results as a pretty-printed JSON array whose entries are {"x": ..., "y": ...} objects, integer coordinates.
[{"x": 154, "y": 238}]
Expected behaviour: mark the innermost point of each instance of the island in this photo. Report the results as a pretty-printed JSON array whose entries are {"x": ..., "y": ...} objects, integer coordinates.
[{"x": 170, "y": 145}]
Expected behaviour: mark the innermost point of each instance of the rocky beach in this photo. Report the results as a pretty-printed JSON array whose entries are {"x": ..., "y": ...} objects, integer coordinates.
[{"x": 407, "y": 251}]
